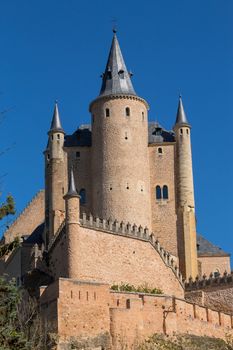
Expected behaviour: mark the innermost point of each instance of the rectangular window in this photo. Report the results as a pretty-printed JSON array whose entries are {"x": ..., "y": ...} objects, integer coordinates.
[{"x": 77, "y": 154}]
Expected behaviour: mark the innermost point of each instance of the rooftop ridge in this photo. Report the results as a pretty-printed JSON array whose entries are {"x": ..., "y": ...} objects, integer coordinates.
[
  {"x": 22, "y": 212},
  {"x": 211, "y": 281}
]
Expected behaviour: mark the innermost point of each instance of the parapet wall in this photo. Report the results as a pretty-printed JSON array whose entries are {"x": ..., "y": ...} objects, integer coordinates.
[
  {"x": 89, "y": 314},
  {"x": 31, "y": 217},
  {"x": 113, "y": 252}
]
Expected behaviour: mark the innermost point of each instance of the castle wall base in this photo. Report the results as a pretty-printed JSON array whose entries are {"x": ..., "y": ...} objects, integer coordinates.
[{"x": 88, "y": 315}]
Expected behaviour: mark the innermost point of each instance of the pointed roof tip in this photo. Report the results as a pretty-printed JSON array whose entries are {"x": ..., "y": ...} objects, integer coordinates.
[
  {"x": 72, "y": 192},
  {"x": 56, "y": 122},
  {"x": 181, "y": 116},
  {"x": 116, "y": 78}
]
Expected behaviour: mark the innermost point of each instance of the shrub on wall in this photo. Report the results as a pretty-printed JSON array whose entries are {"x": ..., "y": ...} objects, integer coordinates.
[{"x": 144, "y": 288}]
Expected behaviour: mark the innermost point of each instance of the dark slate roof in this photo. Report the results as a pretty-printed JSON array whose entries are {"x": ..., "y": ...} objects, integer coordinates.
[
  {"x": 206, "y": 248},
  {"x": 36, "y": 236},
  {"x": 181, "y": 118},
  {"x": 80, "y": 138},
  {"x": 116, "y": 78},
  {"x": 167, "y": 136},
  {"x": 56, "y": 122},
  {"x": 72, "y": 188}
]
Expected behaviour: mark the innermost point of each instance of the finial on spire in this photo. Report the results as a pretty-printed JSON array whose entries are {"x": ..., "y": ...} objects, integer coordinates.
[
  {"x": 72, "y": 192},
  {"x": 181, "y": 116},
  {"x": 56, "y": 123}
]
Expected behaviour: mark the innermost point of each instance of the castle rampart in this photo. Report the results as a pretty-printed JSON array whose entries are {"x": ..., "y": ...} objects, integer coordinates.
[{"x": 102, "y": 318}]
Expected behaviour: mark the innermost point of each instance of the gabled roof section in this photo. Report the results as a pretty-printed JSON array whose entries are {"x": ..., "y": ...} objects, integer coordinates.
[
  {"x": 116, "y": 78},
  {"x": 206, "y": 248}
]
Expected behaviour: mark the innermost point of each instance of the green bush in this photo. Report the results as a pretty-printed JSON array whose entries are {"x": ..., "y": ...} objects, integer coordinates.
[{"x": 144, "y": 288}]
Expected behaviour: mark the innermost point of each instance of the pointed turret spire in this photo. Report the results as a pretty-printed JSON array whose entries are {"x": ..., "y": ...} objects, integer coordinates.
[
  {"x": 116, "y": 78},
  {"x": 72, "y": 192},
  {"x": 56, "y": 123},
  {"x": 181, "y": 116}
]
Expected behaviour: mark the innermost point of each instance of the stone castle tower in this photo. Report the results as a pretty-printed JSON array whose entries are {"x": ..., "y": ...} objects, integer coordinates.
[{"x": 126, "y": 169}]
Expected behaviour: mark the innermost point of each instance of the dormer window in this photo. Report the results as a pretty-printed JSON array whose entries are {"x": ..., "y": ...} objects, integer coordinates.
[
  {"x": 121, "y": 74},
  {"x": 109, "y": 73}
]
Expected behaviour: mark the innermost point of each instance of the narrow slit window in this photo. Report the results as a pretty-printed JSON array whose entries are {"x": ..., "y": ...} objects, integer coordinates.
[
  {"x": 82, "y": 194},
  {"x": 127, "y": 112},
  {"x": 165, "y": 192},
  {"x": 158, "y": 192},
  {"x": 187, "y": 131},
  {"x": 160, "y": 150},
  {"x": 143, "y": 116},
  {"x": 181, "y": 131},
  {"x": 107, "y": 112},
  {"x": 126, "y": 136}
]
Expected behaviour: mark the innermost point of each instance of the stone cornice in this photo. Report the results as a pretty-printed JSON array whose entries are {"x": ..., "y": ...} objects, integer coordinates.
[{"x": 118, "y": 96}]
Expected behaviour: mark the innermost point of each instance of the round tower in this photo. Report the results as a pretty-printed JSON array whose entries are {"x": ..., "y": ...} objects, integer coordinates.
[
  {"x": 72, "y": 201},
  {"x": 55, "y": 177},
  {"x": 120, "y": 160},
  {"x": 186, "y": 221}
]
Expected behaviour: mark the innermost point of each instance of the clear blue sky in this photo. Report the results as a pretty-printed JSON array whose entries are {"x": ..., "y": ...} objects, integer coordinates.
[{"x": 58, "y": 49}]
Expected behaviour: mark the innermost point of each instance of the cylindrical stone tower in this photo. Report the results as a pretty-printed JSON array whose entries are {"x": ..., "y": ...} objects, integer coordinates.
[
  {"x": 120, "y": 159},
  {"x": 186, "y": 222},
  {"x": 55, "y": 177},
  {"x": 72, "y": 200}
]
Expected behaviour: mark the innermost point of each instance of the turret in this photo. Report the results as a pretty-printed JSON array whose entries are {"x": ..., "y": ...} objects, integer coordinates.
[
  {"x": 55, "y": 177},
  {"x": 186, "y": 223},
  {"x": 120, "y": 160},
  {"x": 72, "y": 202}
]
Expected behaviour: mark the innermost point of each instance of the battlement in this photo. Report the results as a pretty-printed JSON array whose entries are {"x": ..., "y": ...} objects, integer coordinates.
[
  {"x": 219, "y": 281},
  {"x": 27, "y": 220},
  {"x": 123, "y": 229},
  {"x": 124, "y": 317}
]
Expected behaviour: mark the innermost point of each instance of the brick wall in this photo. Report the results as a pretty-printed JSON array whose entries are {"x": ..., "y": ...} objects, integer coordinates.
[
  {"x": 113, "y": 259},
  {"x": 31, "y": 217},
  {"x": 88, "y": 315},
  {"x": 163, "y": 212},
  {"x": 210, "y": 264}
]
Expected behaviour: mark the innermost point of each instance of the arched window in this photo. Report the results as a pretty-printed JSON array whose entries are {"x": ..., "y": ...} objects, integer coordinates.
[
  {"x": 158, "y": 192},
  {"x": 181, "y": 131},
  {"x": 165, "y": 192},
  {"x": 127, "y": 111},
  {"x": 82, "y": 194},
  {"x": 160, "y": 150},
  {"x": 107, "y": 112}
]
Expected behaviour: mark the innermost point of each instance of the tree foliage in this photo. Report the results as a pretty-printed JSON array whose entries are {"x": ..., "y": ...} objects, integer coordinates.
[
  {"x": 7, "y": 208},
  {"x": 20, "y": 324}
]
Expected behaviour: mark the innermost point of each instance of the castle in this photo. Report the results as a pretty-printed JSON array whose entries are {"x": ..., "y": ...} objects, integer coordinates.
[{"x": 118, "y": 207}]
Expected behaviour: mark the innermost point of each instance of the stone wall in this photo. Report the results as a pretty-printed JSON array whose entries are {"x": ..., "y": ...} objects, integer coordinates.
[
  {"x": 31, "y": 217},
  {"x": 211, "y": 264},
  {"x": 163, "y": 212},
  {"x": 118, "y": 254},
  {"x": 88, "y": 315}
]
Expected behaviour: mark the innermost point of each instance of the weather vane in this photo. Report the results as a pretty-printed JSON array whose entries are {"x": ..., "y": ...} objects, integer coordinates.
[{"x": 114, "y": 25}]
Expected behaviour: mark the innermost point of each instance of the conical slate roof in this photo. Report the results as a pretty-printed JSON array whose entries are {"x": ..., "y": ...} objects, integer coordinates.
[
  {"x": 116, "y": 78},
  {"x": 72, "y": 192},
  {"x": 181, "y": 116},
  {"x": 56, "y": 123}
]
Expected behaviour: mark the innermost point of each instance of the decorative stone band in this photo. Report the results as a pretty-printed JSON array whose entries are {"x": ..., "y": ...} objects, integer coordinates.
[
  {"x": 204, "y": 282},
  {"x": 119, "y": 96}
]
